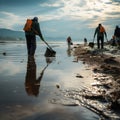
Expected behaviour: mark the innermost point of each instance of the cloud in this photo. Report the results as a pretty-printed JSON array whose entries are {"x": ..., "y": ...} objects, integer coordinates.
[
  {"x": 7, "y": 70},
  {"x": 79, "y": 10},
  {"x": 74, "y": 13},
  {"x": 57, "y": 4},
  {"x": 8, "y": 20}
]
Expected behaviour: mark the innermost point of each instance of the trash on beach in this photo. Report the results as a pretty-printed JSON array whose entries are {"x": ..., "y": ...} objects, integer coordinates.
[
  {"x": 79, "y": 76},
  {"x": 91, "y": 44},
  {"x": 4, "y": 53}
]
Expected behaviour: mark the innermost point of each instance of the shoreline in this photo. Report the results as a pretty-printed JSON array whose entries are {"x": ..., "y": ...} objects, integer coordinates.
[{"x": 106, "y": 74}]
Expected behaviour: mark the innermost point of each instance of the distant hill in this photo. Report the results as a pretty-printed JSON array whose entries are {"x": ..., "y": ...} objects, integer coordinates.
[{"x": 7, "y": 34}]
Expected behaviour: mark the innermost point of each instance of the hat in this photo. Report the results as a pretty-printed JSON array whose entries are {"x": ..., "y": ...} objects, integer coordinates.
[{"x": 35, "y": 18}]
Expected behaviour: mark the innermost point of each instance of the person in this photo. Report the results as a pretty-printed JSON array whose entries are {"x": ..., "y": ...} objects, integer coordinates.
[
  {"x": 113, "y": 41},
  {"x": 85, "y": 41},
  {"x": 69, "y": 41},
  {"x": 31, "y": 36},
  {"x": 117, "y": 35},
  {"x": 100, "y": 31}
]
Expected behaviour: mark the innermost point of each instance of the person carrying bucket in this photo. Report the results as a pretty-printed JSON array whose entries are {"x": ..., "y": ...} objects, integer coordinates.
[
  {"x": 100, "y": 31},
  {"x": 32, "y": 28}
]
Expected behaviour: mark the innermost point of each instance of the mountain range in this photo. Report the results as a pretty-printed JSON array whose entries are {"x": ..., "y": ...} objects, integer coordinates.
[{"x": 8, "y": 34}]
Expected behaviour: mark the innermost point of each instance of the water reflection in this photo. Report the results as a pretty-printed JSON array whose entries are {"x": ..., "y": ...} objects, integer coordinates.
[
  {"x": 49, "y": 60},
  {"x": 69, "y": 52},
  {"x": 32, "y": 83}
]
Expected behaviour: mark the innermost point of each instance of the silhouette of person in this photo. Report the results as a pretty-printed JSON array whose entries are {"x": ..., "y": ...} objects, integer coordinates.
[
  {"x": 100, "y": 31},
  {"x": 69, "y": 42},
  {"x": 85, "y": 41},
  {"x": 31, "y": 36},
  {"x": 32, "y": 83}
]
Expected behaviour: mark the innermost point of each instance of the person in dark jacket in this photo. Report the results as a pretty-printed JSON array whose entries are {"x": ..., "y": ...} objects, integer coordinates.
[
  {"x": 117, "y": 35},
  {"x": 100, "y": 31},
  {"x": 31, "y": 36}
]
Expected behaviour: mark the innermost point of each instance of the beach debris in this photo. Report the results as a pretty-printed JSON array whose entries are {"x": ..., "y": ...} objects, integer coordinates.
[
  {"x": 79, "y": 76},
  {"x": 91, "y": 44},
  {"x": 4, "y": 53},
  {"x": 96, "y": 84},
  {"x": 75, "y": 59},
  {"x": 110, "y": 61},
  {"x": 22, "y": 60},
  {"x": 58, "y": 86},
  {"x": 95, "y": 70}
]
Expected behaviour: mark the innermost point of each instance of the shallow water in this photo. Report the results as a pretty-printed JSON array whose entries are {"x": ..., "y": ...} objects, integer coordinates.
[{"x": 27, "y": 88}]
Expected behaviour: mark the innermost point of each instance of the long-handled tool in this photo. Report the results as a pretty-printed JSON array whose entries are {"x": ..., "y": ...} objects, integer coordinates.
[{"x": 49, "y": 51}]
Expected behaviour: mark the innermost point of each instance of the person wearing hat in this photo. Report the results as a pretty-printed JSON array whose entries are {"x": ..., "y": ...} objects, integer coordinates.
[{"x": 30, "y": 35}]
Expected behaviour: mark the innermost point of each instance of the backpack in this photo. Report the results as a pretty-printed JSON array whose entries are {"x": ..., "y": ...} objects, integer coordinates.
[
  {"x": 28, "y": 25},
  {"x": 102, "y": 29}
]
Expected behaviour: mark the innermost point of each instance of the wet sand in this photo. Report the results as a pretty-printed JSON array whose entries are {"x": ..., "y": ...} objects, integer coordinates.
[
  {"x": 103, "y": 96},
  {"x": 40, "y": 88}
]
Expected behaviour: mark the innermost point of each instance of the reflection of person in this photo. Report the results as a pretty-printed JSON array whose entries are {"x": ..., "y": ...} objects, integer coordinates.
[
  {"x": 30, "y": 35},
  {"x": 49, "y": 60},
  {"x": 100, "y": 31},
  {"x": 69, "y": 41},
  {"x": 68, "y": 52},
  {"x": 31, "y": 83}
]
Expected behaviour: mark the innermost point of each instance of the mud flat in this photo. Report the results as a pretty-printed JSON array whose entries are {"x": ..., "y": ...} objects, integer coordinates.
[{"x": 103, "y": 97}]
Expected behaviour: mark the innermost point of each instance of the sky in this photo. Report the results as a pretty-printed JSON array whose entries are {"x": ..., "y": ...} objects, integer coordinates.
[{"x": 62, "y": 18}]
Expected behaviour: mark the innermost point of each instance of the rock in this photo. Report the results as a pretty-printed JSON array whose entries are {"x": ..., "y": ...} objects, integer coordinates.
[
  {"x": 57, "y": 86},
  {"x": 4, "y": 53},
  {"x": 79, "y": 76}
]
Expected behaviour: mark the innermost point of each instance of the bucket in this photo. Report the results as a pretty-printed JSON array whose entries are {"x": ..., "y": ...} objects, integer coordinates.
[
  {"x": 91, "y": 44},
  {"x": 50, "y": 53}
]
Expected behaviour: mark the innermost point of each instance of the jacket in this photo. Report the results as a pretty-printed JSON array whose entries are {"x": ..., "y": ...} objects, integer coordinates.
[
  {"x": 35, "y": 30},
  {"x": 100, "y": 31}
]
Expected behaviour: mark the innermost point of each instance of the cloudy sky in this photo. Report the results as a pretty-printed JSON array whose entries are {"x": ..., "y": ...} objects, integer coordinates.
[{"x": 61, "y": 18}]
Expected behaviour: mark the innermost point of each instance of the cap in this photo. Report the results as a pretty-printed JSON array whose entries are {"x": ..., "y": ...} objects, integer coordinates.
[{"x": 35, "y": 18}]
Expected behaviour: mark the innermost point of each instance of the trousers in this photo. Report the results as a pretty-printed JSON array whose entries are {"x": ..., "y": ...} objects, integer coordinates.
[
  {"x": 31, "y": 44},
  {"x": 100, "y": 42}
]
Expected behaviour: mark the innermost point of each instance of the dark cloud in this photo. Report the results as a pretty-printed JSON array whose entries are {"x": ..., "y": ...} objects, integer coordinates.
[{"x": 20, "y": 2}]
